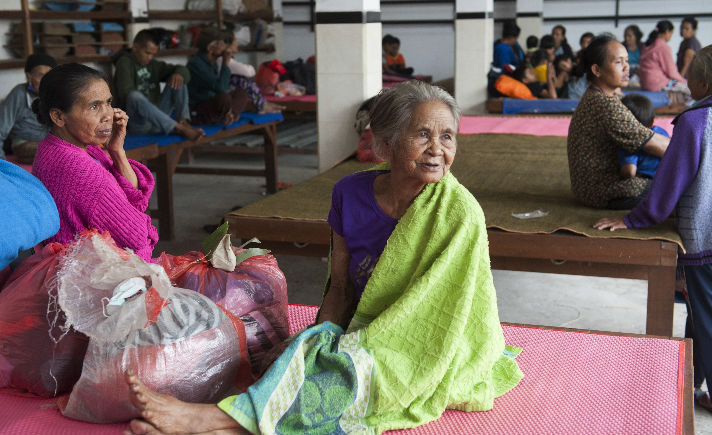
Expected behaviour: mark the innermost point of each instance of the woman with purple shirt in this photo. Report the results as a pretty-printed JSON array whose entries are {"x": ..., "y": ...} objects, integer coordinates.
[{"x": 683, "y": 183}]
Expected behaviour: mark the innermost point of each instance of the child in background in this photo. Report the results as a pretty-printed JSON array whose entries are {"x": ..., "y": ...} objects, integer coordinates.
[
  {"x": 640, "y": 164},
  {"x": 393, "y": 61},
  {"x": 532, "y": 45},
  {"x": 539, "y": 64},
  {"x": 684, "y": 183},
  {"x": 563, "y": 70},
  {"x": 585, "y": 40},
  {"x": 526, "y": 75}
]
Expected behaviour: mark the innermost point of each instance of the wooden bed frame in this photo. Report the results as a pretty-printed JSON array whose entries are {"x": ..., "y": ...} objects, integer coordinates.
[
  {"x": 565, "y": 253},
  {"x": 164, "y": 161}
]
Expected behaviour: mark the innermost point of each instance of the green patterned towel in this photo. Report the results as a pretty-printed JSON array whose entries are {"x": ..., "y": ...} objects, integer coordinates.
[{"x": 425, "y": 337}]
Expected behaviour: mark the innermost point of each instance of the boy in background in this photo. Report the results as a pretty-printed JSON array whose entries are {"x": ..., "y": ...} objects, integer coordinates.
[
  {"x": 393, "y": 61},
  {"x": 640, "y": 164}
]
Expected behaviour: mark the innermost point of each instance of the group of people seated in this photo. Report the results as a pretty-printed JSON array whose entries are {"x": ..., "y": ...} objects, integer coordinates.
[
  {"x": 551, "y": 69},
  {"x": 212, "y": 88}
]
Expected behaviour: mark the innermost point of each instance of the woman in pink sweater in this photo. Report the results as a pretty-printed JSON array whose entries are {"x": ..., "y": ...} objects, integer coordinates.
[
  {"x": 657, "y": 67},
  {"x": 83, "y": 164}
]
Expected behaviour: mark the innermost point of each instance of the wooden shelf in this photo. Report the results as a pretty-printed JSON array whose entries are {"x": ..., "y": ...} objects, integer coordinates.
[
  {"x": 20, "y": 63},
  {"x": 67, "y": 15},
  {"x": 184, "y": 15}
]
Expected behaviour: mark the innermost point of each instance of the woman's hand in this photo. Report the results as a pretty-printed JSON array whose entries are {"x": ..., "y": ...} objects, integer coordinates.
[
  {"x": 614, "y": 223},
  {"x": 118, "y": 132}
]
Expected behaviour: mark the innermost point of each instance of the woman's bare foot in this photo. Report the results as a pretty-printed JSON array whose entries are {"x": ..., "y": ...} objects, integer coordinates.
[
  {"x": 166, "y": 414},
  {"x": 191, "y": 133},
  {"x": 270, "y": 107},
  {"x": 229, "y": 118}
]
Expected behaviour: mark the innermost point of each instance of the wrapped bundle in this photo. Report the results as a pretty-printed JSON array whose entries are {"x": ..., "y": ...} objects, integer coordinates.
[{"x": 177, "y": 341}]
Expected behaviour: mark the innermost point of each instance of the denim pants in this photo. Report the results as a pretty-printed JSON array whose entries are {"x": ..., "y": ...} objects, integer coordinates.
[
  {"x": 698, "y": 280},
  {"x": 146, "y": 118}
]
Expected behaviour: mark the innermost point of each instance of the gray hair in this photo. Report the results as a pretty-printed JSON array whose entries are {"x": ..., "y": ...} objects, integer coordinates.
[
  {"x": 393, "y": 108},
  {"x": 701, "y": 65}
]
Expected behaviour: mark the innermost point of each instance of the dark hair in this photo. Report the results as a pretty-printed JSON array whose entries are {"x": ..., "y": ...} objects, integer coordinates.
[
  {"x": 692, "y": 21},
  {"x": 38, "y": 59},
  {"x": 546, "y": 42},
  {"x": 585, "y": 35},
  {"x": 145, "y": 36},
  {"x": 641, "y": 107},
  {"x": 636, "y": 32},
  {"x": 559, "y": 26},
  {"x": 596, "y": 53},
  {"x": 532, "y": 41},
  {"x": 390, "y": 39},
  {"x": 561, "y": 57},
  {"x": 537, "y": 57},
  {"x": 208, "y": 35},
  {"x": 519, "y": 72},
  {"x": 662, "y": 27},
  {"x": 510, "y": 29},
  {"x": 60, "y": 88}
]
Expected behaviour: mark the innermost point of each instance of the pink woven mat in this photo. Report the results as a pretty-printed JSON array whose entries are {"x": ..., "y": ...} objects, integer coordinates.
[
  {"x": 575, "y": 383},
  {"x": 534, "y": 125},
  {"x": 307, "y": 98}
]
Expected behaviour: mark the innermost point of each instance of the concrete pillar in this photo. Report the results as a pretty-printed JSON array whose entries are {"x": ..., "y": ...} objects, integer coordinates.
[
  {"x": 348, "y": 71},
  {"x": 474, "y": 39},
  {"x": 530, "y": 15}
]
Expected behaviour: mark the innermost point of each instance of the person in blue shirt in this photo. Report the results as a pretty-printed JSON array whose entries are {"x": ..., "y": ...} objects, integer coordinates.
[
  {"x": 507, "y": 50},
  {"x": 29, "y": 213},
  {"x": 640, "y": 163}
]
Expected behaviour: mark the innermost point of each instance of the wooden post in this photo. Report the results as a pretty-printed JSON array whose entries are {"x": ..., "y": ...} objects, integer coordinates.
[{"x": 27, "y": 24}]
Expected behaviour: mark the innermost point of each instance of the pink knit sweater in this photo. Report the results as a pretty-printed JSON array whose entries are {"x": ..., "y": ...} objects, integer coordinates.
[
  {"x": 657, "y": 66},
  {"x": 91, "y": 193}
]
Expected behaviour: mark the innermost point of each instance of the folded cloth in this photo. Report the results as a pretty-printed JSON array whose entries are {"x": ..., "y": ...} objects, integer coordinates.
[{"x": 425, "y": 337}]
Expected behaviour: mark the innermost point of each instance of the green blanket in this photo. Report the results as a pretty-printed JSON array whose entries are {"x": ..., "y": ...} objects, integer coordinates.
[{"x": 425, "y": 337}]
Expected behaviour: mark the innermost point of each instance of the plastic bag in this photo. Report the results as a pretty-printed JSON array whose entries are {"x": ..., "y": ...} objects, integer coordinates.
[
  {"x": 266, "y": 79},
  {"x": 176, "y": 340},
  {"x": 287, "y": 87},
  {"x": 36, "y": 353},
  {"x": 256, "y": 292}
]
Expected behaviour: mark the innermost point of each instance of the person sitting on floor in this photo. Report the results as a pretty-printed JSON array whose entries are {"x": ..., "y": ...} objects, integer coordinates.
[
  {"x": 532, "y": 46},
  {"x": 507, "y": 50},
  {"x": 561, "y": 45},
  {"x": 601, "y": 125},
  {"x": 211, "y": 101},
  {"x": 411, "y": 284},
  {"x": 393, "y": 60},
  {"x": 16, "y": 118},
  {"x": 137, "y": 83},
  {"x": 689, "y": 45},
  {"x": 658, "y": 70},
  {"x": 523, "y": 84},
  {"x": 29, "y": 213},
  {"x": 242, "y": 77},
  {"x": 83, "y": 164},
  {"x": 640, "y": 163},
  {"x": 683, "y": 184},
  {"x": 563, "y": 70}
]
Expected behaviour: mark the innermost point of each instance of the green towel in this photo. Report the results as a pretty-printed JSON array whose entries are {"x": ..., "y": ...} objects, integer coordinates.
[{"x": 425, "y": 337}]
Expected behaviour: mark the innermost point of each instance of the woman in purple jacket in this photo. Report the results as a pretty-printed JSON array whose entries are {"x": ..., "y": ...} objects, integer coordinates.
[{"x": 683, "y": 183}]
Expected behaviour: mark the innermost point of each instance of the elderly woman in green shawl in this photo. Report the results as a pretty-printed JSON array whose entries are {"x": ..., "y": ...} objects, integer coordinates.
[{"x": 410, "y": 281}]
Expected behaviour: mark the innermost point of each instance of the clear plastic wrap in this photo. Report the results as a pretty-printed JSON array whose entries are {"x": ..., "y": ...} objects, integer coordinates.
[
  {"x": 256, "y": 292},
  {"x": 177, "y": 341},
  {"x": 37, "y": 353}
]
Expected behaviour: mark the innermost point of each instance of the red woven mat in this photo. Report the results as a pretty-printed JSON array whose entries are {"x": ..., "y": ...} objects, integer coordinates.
[{"x": 575, "y": 383}]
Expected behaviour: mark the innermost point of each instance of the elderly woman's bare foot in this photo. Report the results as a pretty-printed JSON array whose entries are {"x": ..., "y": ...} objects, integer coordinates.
[
  {"x": 166, "y": 414},
  {"x": 270, "y": 107}
]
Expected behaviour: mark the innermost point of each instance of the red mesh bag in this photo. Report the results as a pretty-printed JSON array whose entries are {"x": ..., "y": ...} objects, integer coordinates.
[
  {"x": 37, "y": 354},
  {"x": 177, "y": 341},
  {"x": 266, "y": 79},
  {"x": 256, "y": 292}
]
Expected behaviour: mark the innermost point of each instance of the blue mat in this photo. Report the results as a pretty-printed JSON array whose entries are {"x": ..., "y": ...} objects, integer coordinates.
[
  {"x": 512, "y": 106},
  {"x": 133, "y": 141}
]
